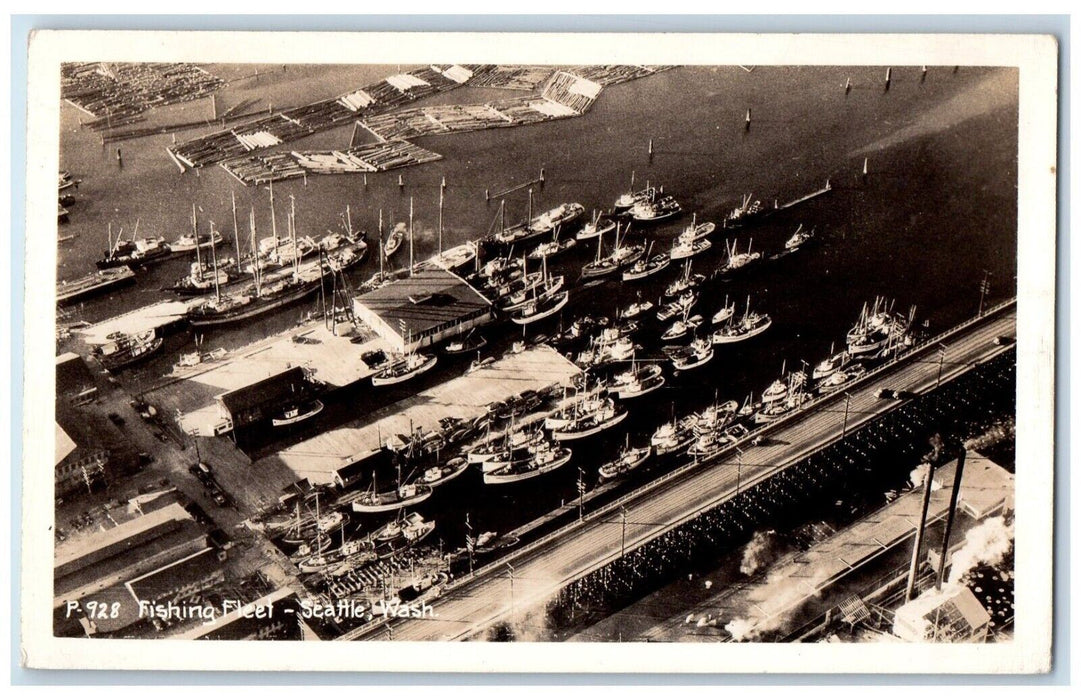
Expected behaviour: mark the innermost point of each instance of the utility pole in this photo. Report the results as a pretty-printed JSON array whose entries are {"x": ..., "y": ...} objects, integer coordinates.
[
  {"x": 510, "y": 573},
  {"x": 941, "y": 359},
  {"x": 985, "y": 289},
  {"x": 581, "y": 494},
  {"x": 623, "y": 535},
  {"x": 739, "y": 469},
  {"x": 844, "y": 425}
]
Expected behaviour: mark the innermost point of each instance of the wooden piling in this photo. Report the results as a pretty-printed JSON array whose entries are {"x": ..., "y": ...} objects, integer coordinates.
[
  {"x": 848, "y": 85},
  {"x": 747, "y": 121},
  {"x": 889, "y": 78}
]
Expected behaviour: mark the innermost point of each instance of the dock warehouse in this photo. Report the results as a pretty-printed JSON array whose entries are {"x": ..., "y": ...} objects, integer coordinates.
[
  {"x": 261, "y": 400},
  {"x": 422, "y": 309}
]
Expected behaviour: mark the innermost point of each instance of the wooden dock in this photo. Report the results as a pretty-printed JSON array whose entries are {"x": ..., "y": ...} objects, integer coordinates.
[{"x": 464, "y": 397}]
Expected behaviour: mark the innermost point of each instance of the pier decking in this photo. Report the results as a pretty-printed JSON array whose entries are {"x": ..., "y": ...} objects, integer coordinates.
[
  {"x": 463, "y": 397},
  {"x": 330, "y": 358}
]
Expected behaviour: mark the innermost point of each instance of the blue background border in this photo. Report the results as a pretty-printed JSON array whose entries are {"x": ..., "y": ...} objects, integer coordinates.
[{"x": 1057, "y": 25}]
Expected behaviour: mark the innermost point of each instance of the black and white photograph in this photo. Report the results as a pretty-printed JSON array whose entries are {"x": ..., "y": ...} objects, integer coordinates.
[{"x": 679, "y": 347}]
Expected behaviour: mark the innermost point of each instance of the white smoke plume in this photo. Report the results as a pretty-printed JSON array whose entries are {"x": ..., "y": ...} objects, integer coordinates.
[
  {"x": 784, "y": 595},
  {"x": 758, "y": 554},
  {"x": 987, "y": 543}
]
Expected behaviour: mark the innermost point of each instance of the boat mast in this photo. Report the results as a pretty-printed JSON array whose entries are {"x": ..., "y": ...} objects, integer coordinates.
[
  {"x": 348, "y": 222},
  {"x": 236, "y": 229},
  {"x": 529, "y": 211},
  {"x": 410, "y": 236},
  {"x": 293, "y": 236},
  {"x": 502, "y": 215},
  {"x": 273, "y": 217},
  {"x": 381, "y": 249},
  {"x": 195, "y": 236},
  {"x": 214, "y": 258},
  {"x": 254, "y": 257},
  {"x": 440, "y": 232}
]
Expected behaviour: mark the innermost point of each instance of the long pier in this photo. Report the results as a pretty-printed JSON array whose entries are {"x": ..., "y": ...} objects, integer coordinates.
[{"x": 535, "y": 573}]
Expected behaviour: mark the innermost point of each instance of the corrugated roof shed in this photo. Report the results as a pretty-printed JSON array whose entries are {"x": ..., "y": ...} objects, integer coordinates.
[{"x": 428, "y": 300}]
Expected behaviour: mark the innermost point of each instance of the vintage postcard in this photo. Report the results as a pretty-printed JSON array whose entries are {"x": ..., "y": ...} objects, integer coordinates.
[{"x": 671, "y": 353}]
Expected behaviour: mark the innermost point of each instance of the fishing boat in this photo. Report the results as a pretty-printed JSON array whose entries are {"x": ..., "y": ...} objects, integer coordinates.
[
  {"x": 840, "y": 378},
  {"x": 234, "y": 307},
  {"x": 770, "y": 412},
  {"x": 194, "y": 359},
  {"x": 835, "y": 361},
  {"x": 136, "y": 253},
  {"x": 541, "y": 286},
  {"x": 646, "y": 266},
  {"x": 296, "y": 413},
  {"x": 579, "y": 330},
  {"x": 639, "y": 380},
  {"x": 510, "y": 442},
  {"x": 542, "y": 462},
  {"x": 673, "y": 436},
  {"x": 682, "y": 327},
  {"x": 692, "y": 356},
  {"x": 654, "y": 209},
  {"x": 747, "y": 213},
  {"x": 621, "y": 256},
  {"x": 402, "y": 497},
  {"x": 717, "y": 416},
  {"x": 698, "y": 231},
  {"x": 684, "y": 248},
  {"x": 709, "y": 443},
  {"x": 540, "y": 225},
  {"x": 631, "y": 197},
  {"x": 737, "y": 260},
  {"x": 408, "y": 367},
  {"x": 469, "y": 343},
  {"x": 438, "y": 475},
  {"x": 68, "y": 292},
  {"x": 597, "y": 227},
  {"x": 611, "y": 346},
  {"x": 551, "y": 249},
  {"x": 684, "y": 282},
  {"x": 394, "y": 240},
  {"x": 629, "y": 459},
  {"x": 782, "y": 397},
  {"x": 800, "y": 237},
  {"x": 748, "y": 326},
  {"x": 190, "y": 241},
  {"x": 681, "y": 305},
  {"x": 725, "y": 313},
  {"x": 587, "y": 423},
  {"x": 456, "y": 258},
  {"x": 123, "y": 350},
  {"x": 635, "y": 310},
  {"x": 202, "y": 278},
  {"x": 878, "y": 325},
  {"x": 540, "y": 308}
]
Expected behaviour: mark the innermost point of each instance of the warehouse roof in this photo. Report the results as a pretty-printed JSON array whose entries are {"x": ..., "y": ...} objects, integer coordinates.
[
  {"x": 428, "y": 299},
  {"x": 275, "y": 388}
]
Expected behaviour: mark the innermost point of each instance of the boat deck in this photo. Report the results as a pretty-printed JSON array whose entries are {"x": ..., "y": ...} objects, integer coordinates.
[{"x": 463, "y": 397}]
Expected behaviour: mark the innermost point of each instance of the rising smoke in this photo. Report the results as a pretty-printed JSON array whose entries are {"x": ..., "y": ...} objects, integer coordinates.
[{"x": 987, "y": 543}]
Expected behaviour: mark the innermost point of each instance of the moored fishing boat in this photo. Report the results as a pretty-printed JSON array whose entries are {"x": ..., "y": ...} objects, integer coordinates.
[
  {"x": 692, "y": 356},
  {"x": 736, "y": 260},
  {"x": 408, "y": 367},
  {"x": 629, "y": 459},
  {"x": 646, "y": 266},
  {"x": 540, "y": 308},
  {"x": 595, "y": 228},
  {"x": 654, "y": 209},
  {"x": 402, "y": 497},
  {"x": 635, "y": 310},
  {"x": 124, "y": 350},
  {"x": 681, "y": 305},
  {"x": 725, "y": 313},
  {"x": 188, "y": 242},
  {"x": 588, "y": 423},
  {"x": 748, "y": 326},
  {"x": 98, "y": 282},
  {"x": 747, "y": 213},
  {"x": 134, "y": 254},
  {"x": 438, "y": 475},
  {"x": 542, "y": 462},
  {"x": 840, "y": 378},
  {"x": 296, "y": 413},
  {"x": 682, "y": 327},
  {"x": 686, "y": 281},
  {"x": 639, "y": 380},
  {"x": 546, "y": 251},
  {"x": 799, "y": 238},
  {"x": 673, "y": 436},
  {"x": 394, "y": 240},
  {"x": 467, "y": 343}
]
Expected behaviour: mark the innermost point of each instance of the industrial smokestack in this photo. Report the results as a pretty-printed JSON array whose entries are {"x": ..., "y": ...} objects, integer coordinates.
[
  {"x": 954, "y": 493},
  {"x": 910, "y": 588}
]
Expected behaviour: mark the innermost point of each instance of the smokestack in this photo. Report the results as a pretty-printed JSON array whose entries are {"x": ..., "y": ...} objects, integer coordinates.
[
  {"x": 958, "y": 473},
  {"x": 910, "y": 587}
]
